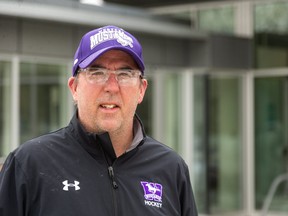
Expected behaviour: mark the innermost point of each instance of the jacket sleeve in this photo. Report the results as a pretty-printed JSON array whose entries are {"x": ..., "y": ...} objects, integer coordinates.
[
  {"x": 13, "y": 189},
  {"x": 188, "y": 205}
]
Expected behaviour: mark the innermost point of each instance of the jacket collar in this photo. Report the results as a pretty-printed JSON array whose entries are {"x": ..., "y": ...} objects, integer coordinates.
[{"x": 96, "y": 144}]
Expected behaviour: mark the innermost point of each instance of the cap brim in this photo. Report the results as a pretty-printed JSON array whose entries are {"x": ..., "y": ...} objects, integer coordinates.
[{"x": 90, "y": 59}]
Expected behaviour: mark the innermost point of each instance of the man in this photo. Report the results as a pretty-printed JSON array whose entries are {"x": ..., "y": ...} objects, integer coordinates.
[{"x": 102, "y": 163}]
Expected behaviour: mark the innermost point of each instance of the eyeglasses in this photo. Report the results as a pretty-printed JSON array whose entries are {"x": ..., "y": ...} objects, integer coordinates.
[{"x": 124, "y": 77}]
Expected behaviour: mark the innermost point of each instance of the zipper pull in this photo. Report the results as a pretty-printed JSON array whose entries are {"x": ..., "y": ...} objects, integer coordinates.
[{"x": 112, "y": 177}]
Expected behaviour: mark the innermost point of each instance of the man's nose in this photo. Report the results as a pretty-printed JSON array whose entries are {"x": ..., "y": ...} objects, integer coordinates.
[{"x": 111, "y": 83}]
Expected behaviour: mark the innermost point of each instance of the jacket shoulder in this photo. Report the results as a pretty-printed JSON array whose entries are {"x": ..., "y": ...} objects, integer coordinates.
[
  {"x": 154, "y": 148},
  {"x": 36, "y": 147}
]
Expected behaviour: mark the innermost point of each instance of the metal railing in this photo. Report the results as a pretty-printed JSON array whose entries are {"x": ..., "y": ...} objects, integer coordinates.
[{"x": 271, "y": 193}]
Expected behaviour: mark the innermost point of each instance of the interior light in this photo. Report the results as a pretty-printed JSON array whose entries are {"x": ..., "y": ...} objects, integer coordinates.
[{"x": 93, "y": 2}]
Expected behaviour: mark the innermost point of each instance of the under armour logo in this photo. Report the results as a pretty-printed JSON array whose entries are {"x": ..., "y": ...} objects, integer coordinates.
[{"x": 67, "y": 185}]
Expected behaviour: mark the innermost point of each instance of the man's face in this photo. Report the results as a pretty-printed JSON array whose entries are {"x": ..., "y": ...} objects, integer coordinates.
[{"x": 108, "y": 107}]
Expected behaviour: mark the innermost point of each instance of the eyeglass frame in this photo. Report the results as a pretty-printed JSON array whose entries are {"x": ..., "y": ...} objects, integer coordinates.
[{"x": 107, "y": 72}]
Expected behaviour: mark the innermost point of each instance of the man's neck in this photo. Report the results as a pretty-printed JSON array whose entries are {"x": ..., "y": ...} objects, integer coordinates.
[{"x": 121, "y": 141}]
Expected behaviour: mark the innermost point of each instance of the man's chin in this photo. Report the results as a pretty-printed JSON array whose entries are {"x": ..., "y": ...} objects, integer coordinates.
[{"x": 109, "y": 127}]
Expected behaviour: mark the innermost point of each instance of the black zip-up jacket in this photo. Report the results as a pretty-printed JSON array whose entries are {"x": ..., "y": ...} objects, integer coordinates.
[{"x": 73, "y": 173}]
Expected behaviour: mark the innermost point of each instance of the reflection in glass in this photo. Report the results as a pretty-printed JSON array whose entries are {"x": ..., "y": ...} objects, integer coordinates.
[
  {"x": 271, "y": 139},
  {"x": 43, "y": 95},
  {"x": 217, "y": 144},
  {"x": 217, "y": 20},
  {"x": 5, "y": 108}
]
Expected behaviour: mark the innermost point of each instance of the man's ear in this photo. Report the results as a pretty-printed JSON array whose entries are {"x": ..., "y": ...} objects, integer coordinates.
[
  {"x": 72, "y": 84},
  {"x": 143, "y": 88}
]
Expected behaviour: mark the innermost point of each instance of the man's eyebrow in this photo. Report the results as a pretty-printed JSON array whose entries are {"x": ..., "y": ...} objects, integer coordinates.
[
  {"x": 126, "y": 68},
  {"x": 97, "y": 66},
  {"x": 120, "y": 68}
]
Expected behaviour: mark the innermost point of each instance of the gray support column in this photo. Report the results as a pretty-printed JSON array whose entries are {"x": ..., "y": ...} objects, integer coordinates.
[
  {"x": 187, "y": 120},
  {"x": 158, "y": 106},
  {"x": 248, "y": 143},
  {"x": 244, "y": 19}
]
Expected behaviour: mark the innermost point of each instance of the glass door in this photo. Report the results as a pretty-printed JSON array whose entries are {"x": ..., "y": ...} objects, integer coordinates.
[
  {"x": 217, "y": 144},
  {"x": 271, "y": 143}
]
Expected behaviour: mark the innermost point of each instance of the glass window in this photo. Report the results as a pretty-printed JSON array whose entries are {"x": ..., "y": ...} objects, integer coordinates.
[
  {"x": 199, "y": 145},
  {"x": 5, "y": 108},
  {"x": 43, "y": 99},
  {"x": 144, "y": 110},
  {"x": 217, "y": 144},
  {"x": 269, "y": 55},
  {"x": 271, "y": 28},
  {"x": 271, "y": 17},
  {"x": 217, "y": 20},
  {"x": 171, "y": 110},
  {"x": 271, "y": 139},
  {"x": 164, "y": 102}
]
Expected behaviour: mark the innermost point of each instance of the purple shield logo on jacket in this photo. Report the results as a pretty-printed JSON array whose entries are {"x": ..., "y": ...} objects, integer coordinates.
[{"x": 152, "y": 191}]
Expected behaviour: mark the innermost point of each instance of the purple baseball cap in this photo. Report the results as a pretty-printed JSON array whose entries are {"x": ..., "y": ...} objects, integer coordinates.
[{"x": 96, "y": 42}]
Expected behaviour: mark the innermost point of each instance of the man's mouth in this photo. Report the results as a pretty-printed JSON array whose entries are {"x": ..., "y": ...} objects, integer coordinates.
[{"x": 108, "y": 106}]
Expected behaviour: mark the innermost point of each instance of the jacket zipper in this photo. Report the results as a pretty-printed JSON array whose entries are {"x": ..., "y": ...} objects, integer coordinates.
[
  {"x": 114, "y": 188},
  {"x": 112, "y": 177}
]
